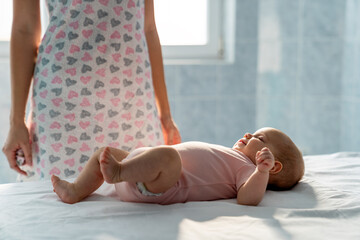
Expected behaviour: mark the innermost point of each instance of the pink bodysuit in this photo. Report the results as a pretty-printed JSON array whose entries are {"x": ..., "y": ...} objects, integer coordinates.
[{"x": 209, "y": 172}]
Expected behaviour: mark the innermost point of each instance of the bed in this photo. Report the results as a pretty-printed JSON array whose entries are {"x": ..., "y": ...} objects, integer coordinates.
[{"x": 324, "y": 205}]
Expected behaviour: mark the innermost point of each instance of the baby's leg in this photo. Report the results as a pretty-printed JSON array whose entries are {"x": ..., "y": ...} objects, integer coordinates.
[
  {"x": 87, "y": 182},
  {"x": 158, "y": 168},
  {"x": 110, "y": 165}
]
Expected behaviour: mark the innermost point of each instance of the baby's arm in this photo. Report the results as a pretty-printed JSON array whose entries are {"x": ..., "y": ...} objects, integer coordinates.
[{"x": 253, "y": 190}]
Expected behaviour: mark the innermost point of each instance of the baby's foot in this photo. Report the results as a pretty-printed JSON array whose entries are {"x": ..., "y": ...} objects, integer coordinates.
[
  {"x": 64, "y": 190},
  {"x": 109, "y": 167}
]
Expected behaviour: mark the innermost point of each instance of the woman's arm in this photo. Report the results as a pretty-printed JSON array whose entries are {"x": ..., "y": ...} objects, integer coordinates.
[
  {"x": 25, "y": 38},
  {"x": 171, "y": 133}
]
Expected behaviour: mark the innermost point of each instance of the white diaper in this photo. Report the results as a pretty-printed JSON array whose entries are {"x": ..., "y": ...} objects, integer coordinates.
[
  {"x": 144, "y": 191},
  {"x": 140, "y": 186}
]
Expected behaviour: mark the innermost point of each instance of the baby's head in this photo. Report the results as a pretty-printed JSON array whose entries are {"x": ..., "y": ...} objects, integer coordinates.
[{"x": 289, "y": 163}]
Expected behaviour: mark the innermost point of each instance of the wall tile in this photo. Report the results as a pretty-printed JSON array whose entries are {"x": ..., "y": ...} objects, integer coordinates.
[
  {"x": 247, "y": 19},
  {"x": 321, "y": 68},
  {"x": 356, "y": 19},
  {"x": 236, "y": 116},
  {"x": 323, "y": 18},
  {"x": 196, "y": 80},
  {"x": 278, "y": 19},
  {"x": 196, "y": 119},
  {"x": 171, "y": 79},
  {"x": 318, "y": 125},
  {"x": 350, "y": 124},
  {"x": 239, "y": 78},
  {"x": 278, "y": 68},
  {"x": 277, "y": 112},
  {"x": 350, "y": 82},
  {"x": 352, "y": 20},
  {"x": 356, "y": 78}
]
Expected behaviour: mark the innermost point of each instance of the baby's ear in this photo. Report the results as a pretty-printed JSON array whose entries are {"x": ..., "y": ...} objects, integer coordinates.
[{"x": 276, "y": 168}]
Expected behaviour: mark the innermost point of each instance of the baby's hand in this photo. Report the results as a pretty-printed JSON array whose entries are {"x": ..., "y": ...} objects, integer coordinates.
[{"x": 265, "y": 160}]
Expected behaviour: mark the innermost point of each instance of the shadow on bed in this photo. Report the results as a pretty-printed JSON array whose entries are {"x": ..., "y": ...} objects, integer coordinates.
[
  {"x": 301, "y": 196},
  {"x": 245, "y": 221},
  {"x": 200, "y": 220}
]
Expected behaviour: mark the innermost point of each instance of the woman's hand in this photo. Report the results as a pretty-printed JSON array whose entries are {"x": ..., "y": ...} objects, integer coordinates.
[
  {"x": 18, "y": 138},
  {"x": 170, "y": 131}
]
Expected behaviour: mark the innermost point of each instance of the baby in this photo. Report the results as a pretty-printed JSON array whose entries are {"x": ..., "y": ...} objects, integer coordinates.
[{"x": 192, "y": 171}]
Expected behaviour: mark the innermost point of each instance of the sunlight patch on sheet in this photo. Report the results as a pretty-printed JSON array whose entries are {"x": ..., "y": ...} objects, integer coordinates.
[{"x": 247, "y": 227}]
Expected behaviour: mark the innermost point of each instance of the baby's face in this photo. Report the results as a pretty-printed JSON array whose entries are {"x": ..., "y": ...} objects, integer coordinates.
[{"x": 251, "y": 143}]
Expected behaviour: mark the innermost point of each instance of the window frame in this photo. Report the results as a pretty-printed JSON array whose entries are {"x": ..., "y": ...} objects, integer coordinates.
[{"x": 210, "y": 51}]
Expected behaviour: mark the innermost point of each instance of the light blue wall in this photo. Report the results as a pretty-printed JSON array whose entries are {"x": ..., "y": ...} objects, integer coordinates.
[{"x": 296, "y": 69}]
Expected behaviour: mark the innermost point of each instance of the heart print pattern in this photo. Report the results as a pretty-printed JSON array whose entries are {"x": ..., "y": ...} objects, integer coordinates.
[{"x": 92, "y": 85}]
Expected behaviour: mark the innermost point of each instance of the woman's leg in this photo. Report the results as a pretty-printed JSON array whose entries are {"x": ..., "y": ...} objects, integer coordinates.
[
  {"x": 158, "y": 168},
  {"x": 87, "y": 182}
]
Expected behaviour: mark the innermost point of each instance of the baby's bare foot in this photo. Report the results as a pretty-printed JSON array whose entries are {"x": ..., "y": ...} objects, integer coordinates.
[
  {"x": 64, "y": 190},
  {"x": 109, "y": 167}
]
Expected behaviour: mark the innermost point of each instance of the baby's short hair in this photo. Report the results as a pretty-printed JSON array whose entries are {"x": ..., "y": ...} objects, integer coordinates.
[{"x": 293, "y": 166}]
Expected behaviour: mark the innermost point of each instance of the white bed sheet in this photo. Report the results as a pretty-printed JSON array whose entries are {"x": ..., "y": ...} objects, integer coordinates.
[{"x": 324, "y": 205}]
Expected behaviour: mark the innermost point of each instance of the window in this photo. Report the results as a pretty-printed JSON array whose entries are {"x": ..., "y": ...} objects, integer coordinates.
[
  {"x": 6, "y": 14},
  {"x": 5, "y": 23},
  {"x": 189, "y": 29},
  {"x": 5, "y": 27}
]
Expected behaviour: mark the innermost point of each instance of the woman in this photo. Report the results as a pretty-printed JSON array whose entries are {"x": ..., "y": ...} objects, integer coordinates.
[{"x": 98, "y": 80}]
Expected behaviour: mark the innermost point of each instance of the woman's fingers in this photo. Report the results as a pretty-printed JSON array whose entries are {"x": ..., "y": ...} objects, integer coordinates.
[
  {"x": 11, "y": 156},
  {"x": 26, "y": 148}
]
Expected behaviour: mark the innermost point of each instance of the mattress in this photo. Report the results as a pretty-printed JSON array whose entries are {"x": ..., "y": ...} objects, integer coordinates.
[{"x": 324, "y": 205}]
